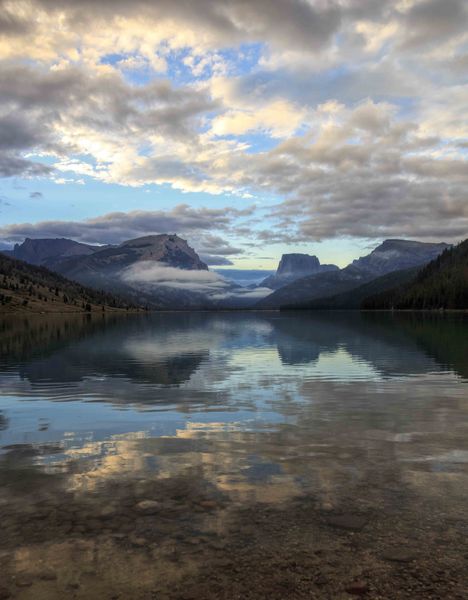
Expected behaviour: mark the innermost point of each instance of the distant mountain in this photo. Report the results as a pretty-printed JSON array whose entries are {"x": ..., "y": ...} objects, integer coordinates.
[
  {"x": 295, "y": 266},
  {"x": 396, "y": 255},
  {"x": 171, "y": 250},
  {"x": 111, "y": 269},
  {"x": 391, "y": 255},
  {"x": 443, "y": 283},
  {"x": 49, "y": 252},
  {"x": 245, "y": 277},
  {"x": 29, "y": 288},
  {"x": 352, "y": 300}
]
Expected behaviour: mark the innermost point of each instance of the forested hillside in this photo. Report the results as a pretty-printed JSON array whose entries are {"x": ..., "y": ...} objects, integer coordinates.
[
  {"x": 28, "y": 288},
  {"x": 443, "y": 283}
]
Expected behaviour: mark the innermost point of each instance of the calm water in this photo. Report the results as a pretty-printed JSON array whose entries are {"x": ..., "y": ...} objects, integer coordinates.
[{"x": 234, "y": 455}]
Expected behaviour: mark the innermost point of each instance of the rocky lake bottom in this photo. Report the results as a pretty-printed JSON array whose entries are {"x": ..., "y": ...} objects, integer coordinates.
[{"x": 234, "y": 455}]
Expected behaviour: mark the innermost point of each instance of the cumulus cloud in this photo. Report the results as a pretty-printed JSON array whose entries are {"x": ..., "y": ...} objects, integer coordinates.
[
  {"x": 113, "y": 228},
  {"x": 360, "y": 105}
]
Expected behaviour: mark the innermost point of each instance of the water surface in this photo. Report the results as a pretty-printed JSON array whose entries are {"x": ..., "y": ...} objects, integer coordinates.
[{"x": 234, "y": 455}]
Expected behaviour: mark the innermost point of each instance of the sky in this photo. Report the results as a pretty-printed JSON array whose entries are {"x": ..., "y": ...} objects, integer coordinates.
[{"x": 250, "y": 128}]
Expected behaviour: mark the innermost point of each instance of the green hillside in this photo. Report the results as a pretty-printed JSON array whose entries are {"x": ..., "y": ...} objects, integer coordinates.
[
  {"x": 26, "y": 288},
  {"x": 442, "y": 284}
]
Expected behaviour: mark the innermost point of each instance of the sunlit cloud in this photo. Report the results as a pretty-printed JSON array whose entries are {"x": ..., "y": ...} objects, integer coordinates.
[{"x": 343, "y": 118}]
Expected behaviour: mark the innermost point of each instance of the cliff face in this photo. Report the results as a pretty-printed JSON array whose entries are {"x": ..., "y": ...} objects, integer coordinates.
[{"x": 294, "y": 266}]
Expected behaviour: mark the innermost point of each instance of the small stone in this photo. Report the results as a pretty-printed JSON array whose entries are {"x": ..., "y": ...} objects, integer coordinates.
[
  {"x": 208, "y": 504},
  {"x": 357, "y": 588},
  {"x": 148, "y": 507},
  {"x": 107, "y": 512},
  {"x": 321, "y": 580},
  {"x": 48, "y": 576},
  {"x": 23, "y": 580},
  {"x": 349, "y": 522},
  {"x": 138, "y": 541},
  {"x": 399, "y": 555},
  {"x": 74, "y": 585}
]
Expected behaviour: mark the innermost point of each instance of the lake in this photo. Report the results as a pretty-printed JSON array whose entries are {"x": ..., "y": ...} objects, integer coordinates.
[{"x": 234, "y": 455}]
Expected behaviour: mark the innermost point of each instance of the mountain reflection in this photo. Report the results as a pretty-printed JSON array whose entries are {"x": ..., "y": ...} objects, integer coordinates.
[
  {"x": 169, "y": 349},
  {"x": 135, "y": 451}
]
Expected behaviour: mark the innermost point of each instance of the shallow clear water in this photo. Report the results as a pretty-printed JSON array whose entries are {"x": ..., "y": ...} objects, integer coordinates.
[{"x": 224, "y": 455}]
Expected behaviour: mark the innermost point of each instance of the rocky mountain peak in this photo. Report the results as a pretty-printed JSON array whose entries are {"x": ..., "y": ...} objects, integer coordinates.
[
  {"x": 47, "y": 251},
  {"x": 291, "y": 264},
  {"x": 166, "y": 248},
  {"x": 395, "y": 254}
]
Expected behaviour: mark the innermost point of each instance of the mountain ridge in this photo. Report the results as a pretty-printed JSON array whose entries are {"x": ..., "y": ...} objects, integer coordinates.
[
  {"x": 26, "y": 288},
  {"x": 391, "y": 255},
  {"x": 441, "y": 284}
]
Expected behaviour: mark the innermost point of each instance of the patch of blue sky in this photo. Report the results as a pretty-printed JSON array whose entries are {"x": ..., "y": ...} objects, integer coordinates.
[
  {"x": 140, "y": 76},
  {"x": 186, "y": 67},
  {"x": 257, "y": 141}
]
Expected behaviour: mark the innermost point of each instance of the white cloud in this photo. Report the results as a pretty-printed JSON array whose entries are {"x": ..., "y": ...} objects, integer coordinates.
[{"x": 150, "y": 274}]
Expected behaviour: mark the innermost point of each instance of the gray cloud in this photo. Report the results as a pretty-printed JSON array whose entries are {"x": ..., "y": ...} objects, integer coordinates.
[
  {"x": 215, "y": 261},
  {"x": 112, "y": 228},
  {"x": 289, "y": 23},
  {"x": 431, "y": 21},
  {"x": 392, "y": 166},
  {"x": 73, "y": 104}
]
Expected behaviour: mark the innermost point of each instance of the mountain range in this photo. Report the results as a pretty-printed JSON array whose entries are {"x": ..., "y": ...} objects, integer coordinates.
[
  {"x": 442, "y": 284},
  {"x": 390, "y": 256},
  {"x": 164, "y": 272}
]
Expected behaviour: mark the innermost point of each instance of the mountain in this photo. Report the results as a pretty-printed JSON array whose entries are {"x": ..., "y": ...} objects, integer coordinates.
[
  {"x": 134, "y": 269},
  {"x": 351, "y": 300},
  {"x": 295, "y": 266},
  {"x": 391, "y": 255},
  {"x": 49, "y": 252},
  {"x": 443, "y": 283},
  {"x": 396, "y": 255},
  {"x": 245, "y": 277},
  {"x": 29, "y": 288}
]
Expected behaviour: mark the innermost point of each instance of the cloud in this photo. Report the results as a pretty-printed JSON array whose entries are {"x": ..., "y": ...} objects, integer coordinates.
[
  {"x": 349, "y": 115},
  {"x": 113, "y": 228},
  {"x": 212, "y": 260},
  {"x": 209, "y": 283},
  {"x": 156, "y": 274}
]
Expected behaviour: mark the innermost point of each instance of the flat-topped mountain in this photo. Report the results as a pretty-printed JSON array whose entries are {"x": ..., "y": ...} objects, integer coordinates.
[
  {"x": 294, "y": 266},
  {"x": 48, "y": 252},
  {"x": 390, "y": 256}
]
